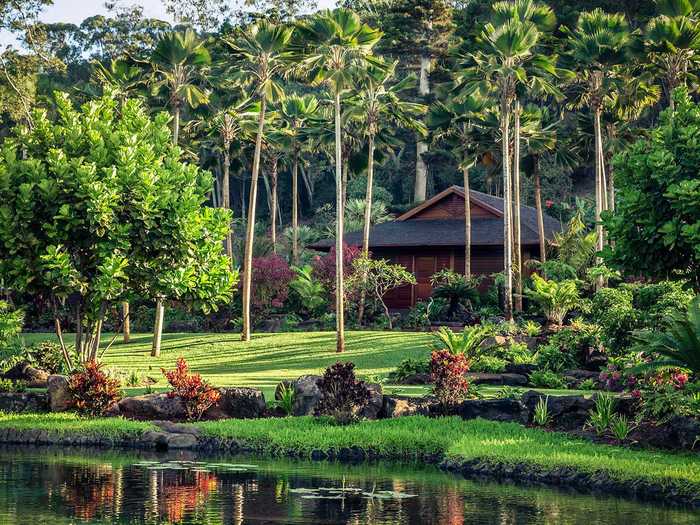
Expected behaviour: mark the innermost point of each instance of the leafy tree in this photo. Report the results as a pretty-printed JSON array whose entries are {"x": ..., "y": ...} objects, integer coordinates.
[
  {"x": 336, "y": 46},
  {"x": 655, "y": 229},
  {"x": 378, "y": 277},
  {"x": 261, "y": 55},
  {"x": 97, "y": 205}
]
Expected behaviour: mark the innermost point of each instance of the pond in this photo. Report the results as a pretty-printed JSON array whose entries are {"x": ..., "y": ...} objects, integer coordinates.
[{"x": 69, "y": 486}]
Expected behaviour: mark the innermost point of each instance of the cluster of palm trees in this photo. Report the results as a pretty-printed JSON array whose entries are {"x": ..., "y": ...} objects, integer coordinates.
[{"x": 317, "y": 83}]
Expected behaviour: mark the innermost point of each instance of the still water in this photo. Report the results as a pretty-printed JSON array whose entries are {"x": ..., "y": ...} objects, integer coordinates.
[{"x": 72, "y": 486}]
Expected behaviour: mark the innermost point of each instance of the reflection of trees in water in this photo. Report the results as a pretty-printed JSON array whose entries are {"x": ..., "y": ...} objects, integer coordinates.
[{"x": 88, "y": 492}]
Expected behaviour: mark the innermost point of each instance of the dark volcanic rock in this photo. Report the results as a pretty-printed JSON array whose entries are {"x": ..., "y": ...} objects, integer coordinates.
[
  {"x": 567, "y": 412},
  {"x": 417, "y": 379},
  {"x": 23, "y": 402},
  {"x": 306, "y": 395},
  {"x": 478, "y": 378},
  {"x": 33, "y": 377},
  {"x": 493, "y": 409},
  {"x": 376, "y": 402},
  {"x": 152, "y": 406},
  {"x": 242, "y": 403},
  {"x": 398, "y": 406},
  {"x": 59, "y": 393}
]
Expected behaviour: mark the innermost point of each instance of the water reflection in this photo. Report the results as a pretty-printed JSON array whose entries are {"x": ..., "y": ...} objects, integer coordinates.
[{"x": 61, "y": 487}]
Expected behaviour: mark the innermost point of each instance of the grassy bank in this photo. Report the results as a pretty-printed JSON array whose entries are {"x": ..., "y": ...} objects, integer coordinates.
[
  {"x": 508, "y": 443},
  {"x": 66, "y": 423}
]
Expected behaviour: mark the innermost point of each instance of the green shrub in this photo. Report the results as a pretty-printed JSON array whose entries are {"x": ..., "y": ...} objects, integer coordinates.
[
  {"x": 547, "y": 379},
  {"x": 48, "y": 356},
  {"x": 285, "y": 396},
  {"x": 308, "y": 292},
  {"x": 553, "y": 358},
  {"x": 541, "y": 416},
  {"x": 555, "y": 299},
  {"x": 468, "y": 342},
  {"x": 8, "y": 385},
  {"x": 489, "y": 364},
  {"x": 408, "y": 367},
  {"x": 601, "y": 416},
  {"x": 508, "y": 392},
  {"x": 531, "y": 328},
  {"x": 516, "y": 353},
  {"x": 460, "y": 292},
  {"x": 613, "y": 310}
]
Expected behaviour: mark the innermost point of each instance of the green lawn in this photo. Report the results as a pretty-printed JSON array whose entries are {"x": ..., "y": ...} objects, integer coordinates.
[{"x": 269, "y": 358}]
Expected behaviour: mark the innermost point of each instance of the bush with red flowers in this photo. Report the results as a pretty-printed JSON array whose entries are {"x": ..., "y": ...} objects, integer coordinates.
[
  {"x": 271, "y": 278},
  {"x": 92, "y": 390},
  {"x": 342, "y": 395},
  {"x": 447, "y": 371},
  {"x": 196, "y": 394}
]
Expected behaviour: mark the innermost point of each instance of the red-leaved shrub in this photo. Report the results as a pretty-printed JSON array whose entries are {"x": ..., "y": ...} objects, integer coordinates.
[
  {"x": 324, "y": 266},
  {"x": 271, "y": 278},
  {"x": 341, "y": 392},
  {"x": 92, "y": 390},
  {"x": 196, "y": 394},
  {"x": 447, "y": 371}
]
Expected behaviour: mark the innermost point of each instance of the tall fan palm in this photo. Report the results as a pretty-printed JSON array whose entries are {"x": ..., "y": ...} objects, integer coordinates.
[
  {"x": 262, "y": 55},
  {"x": 336, "y": 46},
  {"x": 598, "y": 45},
  {"x": 456, "y": 123},
  {"x": 498, "y": 69},
  {"x": 672, "y": 44},
  {"x": 125, "y": 78},
  {"x": 177, "y": 61},
  {"x": 297, "y": 111}
]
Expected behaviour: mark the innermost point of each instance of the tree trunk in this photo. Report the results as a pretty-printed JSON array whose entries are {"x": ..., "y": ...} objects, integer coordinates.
[
  {"x": 611, "y": 188},
  {"x": 273, "y": 203},
  {"x": 367, "y": 222},
  {"x": 421, "y": 185},
  {"x": 250, "y": 226},
  {"x": 158, "y": 330},
  {"x": 295, "y": 205},
  {"x": 507, "y": 210},
  {"x": 339, "y": 278},
  {"x": 540, "y": 213},
  {"x": 517, "y": 237},
  {"x": 127, "y": 323},
  {"x": 226, "y": 199},
  {"x": 176, "y": 123},
  {"x": 599, "y": 189},
  {"x": 467, "y": 224}
]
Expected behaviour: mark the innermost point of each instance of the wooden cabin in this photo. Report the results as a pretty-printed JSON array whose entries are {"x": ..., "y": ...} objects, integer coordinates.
[{"x": 431, "y": 237}]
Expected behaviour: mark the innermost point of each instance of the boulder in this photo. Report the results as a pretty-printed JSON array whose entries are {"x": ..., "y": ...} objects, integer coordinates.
[
  {"x": 152, "y": 406},
  {"x": 567, "y": 412},
  {"x": 687, "y": 432},
  {"x": 59, "y": 393},
  {"x": 493, "y": 409},
  {"x": 306, "y": 395},
  {"x": 23, "y": 402},
  {"x": 478, "y": 378},
  {"x": 398, "y": 406},
  {"x": 423, "y": 378},
  {"x": 33, "y": 377},
  {"x": 574, "y": 378},
  {"x": 506, "y": 340},
  {"x": 522, "y": 369},
  {"x": 242, "y": 403},
  {"x": 376, "y": 401}
]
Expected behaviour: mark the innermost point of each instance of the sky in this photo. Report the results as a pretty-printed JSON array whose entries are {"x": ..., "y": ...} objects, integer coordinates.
[{"x": 75, "y": 11}]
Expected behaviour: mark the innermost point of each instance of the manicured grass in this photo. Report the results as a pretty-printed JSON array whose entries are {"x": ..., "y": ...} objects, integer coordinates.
[
  {"x": 270, "y": 358},
  {"x": 70, "y": 423},
  {"x": 411, "y": 437}
]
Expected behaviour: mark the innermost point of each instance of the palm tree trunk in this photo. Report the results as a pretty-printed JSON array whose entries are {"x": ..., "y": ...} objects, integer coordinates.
[
  {"x": 339, "y": 278},
  {"x": 127, "y": 323},
  {"x": 250, "y": 226},
  {"x": 467, "y": 224},
  {"x": 273, "y": 203},
  {"x": 295, "y": 205},
  {"x": 507, "y": 210},
  {"x": 226, "y": 199},
  {"x": 176, "y": 124},
  {"x": 516, "y": 208},
  {"x": 538, "y": 206},
  {"x": 367, "y": 223},
  {"x": 599, "y": 188},
  {"x": 611, "y": 188},
  {"x": 420, "y": 190}
]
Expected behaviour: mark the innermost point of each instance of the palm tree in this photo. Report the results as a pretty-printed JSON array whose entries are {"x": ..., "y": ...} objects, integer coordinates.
[
  {"x": 498, "y": 69},
  {"x": 261, "y": 53},
  {"x": 455, "y": 123},
  {"x": 336, "y": 45},
  {"x": 598, "y": 45},
  {"x": 177, "y": 61},
  {"x": 297, "y": 111},
  {"x": 672, "y": 43}
]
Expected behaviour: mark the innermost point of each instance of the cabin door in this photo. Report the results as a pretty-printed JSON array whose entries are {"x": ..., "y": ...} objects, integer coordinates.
[{"x": 425, "y": 268}]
